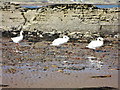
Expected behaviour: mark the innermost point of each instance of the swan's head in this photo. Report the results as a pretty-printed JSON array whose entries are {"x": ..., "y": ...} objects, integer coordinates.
[
  {"x": 66, "y": 37},
  {"x": 100, "y": 39}
]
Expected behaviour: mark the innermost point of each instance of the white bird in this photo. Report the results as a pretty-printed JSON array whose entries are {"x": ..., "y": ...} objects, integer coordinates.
[
  {"x": 18, "y": 38},
  {"x": 91, "y": 57},
  {"x": 60, "y": 41},
  {"x": 96, "y": 43}
]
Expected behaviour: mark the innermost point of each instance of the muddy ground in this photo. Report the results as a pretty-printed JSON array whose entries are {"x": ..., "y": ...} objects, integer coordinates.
[{"x": 39, "y": 65}]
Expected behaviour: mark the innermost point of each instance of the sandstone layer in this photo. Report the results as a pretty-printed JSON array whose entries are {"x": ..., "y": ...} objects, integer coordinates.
[{"x": 60, "y": 17}]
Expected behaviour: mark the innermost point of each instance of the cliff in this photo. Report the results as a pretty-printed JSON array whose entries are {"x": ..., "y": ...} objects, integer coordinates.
[{"x": 60, "y": 17}]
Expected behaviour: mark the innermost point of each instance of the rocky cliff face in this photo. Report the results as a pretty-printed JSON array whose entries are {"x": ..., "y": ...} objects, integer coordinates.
[{"x": 60, "y": 17}]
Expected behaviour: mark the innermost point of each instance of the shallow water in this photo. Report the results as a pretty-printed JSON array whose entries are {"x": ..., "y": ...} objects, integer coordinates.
[
  {"x": 99, "y": 6},
  {"x": 31, "y": 6},
  {"x": 46, "y": 62},
  {"x": 107, "y": 6}
]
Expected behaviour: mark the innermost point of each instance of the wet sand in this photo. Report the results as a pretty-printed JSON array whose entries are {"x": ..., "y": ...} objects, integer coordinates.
[{"x": 40, "y": 65}]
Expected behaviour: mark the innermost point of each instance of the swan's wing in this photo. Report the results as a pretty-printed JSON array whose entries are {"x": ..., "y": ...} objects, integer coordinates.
[
  {"x": 95, "y": 44},
  {"x": 92, "y": 43},
  {"x": 17, "y": 39},
  {"x": 99, "y": 43},
  {"x": 58, "y": 41}
]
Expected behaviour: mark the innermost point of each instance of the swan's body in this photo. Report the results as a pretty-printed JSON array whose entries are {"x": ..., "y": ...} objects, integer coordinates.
[
  {"x": 96, "y": 43},
  {"x": 60, "y": 41},
  {"x": 18, "y": 38}
]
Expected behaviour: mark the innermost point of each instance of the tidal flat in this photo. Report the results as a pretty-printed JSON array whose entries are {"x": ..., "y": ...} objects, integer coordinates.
[
  {"x": 71, "y": 65},
  {"x": 34, "y": 63}
]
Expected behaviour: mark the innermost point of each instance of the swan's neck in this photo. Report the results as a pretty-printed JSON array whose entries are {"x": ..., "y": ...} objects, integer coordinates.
[{"x": 21, "y": 34}]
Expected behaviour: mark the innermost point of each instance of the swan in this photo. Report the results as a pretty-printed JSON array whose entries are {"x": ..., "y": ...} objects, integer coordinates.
[
  {"x": 18, "y": 38},
  {"x": 96, "y": 43},
  {"x": 60, "y": 41}
]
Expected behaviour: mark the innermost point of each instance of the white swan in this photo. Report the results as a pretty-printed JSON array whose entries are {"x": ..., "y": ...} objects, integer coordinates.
[
  {"x": 18, "y": 38},
  {"x": 96, "y": 43},
  {"x": 60, "y": 41}
]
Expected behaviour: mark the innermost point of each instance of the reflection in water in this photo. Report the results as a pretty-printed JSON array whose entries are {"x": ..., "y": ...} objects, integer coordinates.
[
  {"x": 95, "y": 63},
  {"x": 53, "y": 66}
]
